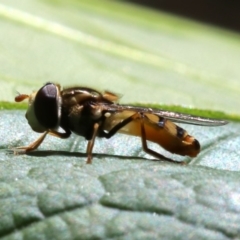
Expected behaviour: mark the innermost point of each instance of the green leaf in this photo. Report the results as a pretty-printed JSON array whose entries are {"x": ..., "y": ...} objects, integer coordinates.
[
  {"x": 125, "y": 194},
  {"x": 53, "y": 194},
  {"x": 148, "y": 56}
]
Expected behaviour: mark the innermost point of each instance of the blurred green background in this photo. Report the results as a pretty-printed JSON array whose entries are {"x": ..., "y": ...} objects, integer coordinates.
[{"x": 147, "y": 56}]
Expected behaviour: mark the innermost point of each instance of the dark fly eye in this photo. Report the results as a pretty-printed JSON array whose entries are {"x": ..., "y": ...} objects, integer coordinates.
[{"x": 46, "y": 106}]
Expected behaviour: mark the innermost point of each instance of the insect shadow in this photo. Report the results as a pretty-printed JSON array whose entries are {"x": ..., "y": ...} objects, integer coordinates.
[{"x": 46, "y": 153}]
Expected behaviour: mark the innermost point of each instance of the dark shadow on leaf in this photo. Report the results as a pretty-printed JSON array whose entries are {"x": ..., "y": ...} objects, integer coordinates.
[{"x": 44, "y": 153}]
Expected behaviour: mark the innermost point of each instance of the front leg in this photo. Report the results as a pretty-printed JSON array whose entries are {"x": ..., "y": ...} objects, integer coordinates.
[{"x": 32, "y": 146}]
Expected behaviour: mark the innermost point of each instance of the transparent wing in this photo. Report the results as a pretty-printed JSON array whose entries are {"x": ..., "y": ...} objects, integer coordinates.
[{"x": 173, "y": 116}]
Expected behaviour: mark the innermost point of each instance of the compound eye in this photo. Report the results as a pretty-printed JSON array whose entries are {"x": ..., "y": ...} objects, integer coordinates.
[{"x": 46, "y": 106}]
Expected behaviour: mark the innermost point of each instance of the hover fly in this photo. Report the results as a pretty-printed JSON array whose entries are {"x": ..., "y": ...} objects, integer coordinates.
[{"x": 89, "y": 113}]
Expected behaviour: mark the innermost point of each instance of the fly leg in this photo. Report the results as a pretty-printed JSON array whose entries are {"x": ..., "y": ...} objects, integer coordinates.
[
  {"x": 118, "y": 126},
  {"x": 32, "y": 146},
  {"x": 91, "y": 143},
  {"x": 141, "y": 117},
  {"x": 144, "y": 143}
]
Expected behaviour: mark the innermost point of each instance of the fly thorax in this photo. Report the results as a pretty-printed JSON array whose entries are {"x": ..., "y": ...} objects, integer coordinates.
[{"x": 96, "y": 112}]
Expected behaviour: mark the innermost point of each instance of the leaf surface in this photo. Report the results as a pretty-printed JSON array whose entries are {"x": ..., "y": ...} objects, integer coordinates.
[
  {"x": 53, "y": 194},
  {"x": 125, "y": 194}
]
